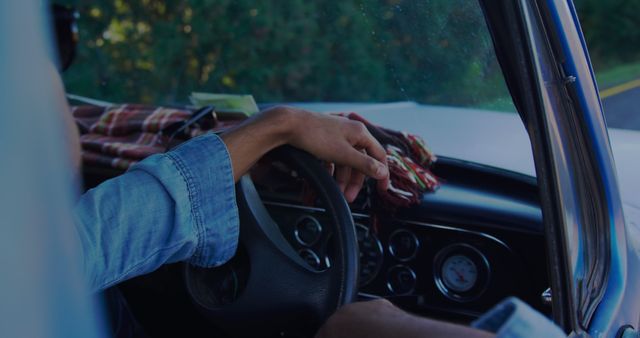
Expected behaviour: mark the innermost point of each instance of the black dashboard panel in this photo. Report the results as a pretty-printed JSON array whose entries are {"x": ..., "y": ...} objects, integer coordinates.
[
  {"x": 475, "y": 241},
  {"x": 508, "y": 272},
  {"x": 482, "y": 195},
  {"x": 484, "y": 223}
]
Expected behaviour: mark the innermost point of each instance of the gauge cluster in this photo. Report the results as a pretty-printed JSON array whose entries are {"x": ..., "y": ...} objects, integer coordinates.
[
  {"x": 438, "y": 268},
  {"x": 371, "y": 254},
  {"x": 422, "y": 265},
  {"x": 461, "y": 272}
]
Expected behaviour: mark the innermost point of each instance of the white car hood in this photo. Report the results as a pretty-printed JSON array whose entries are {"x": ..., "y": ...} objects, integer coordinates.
[{"x": 492, "y": 138}]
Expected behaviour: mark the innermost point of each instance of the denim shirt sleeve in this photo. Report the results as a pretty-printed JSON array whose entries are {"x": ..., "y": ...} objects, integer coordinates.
[
  {"x": 178, "y": 206},
  {"x": 513, "y": 318}
]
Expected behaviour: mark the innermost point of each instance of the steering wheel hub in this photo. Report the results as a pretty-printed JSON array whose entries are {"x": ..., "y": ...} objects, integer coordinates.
[{"x": 269, "y": 287}]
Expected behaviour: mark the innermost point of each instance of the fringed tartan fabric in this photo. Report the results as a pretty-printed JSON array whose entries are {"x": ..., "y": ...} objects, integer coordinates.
[
  {"x": 409, "y": 162},
  {"x": 119, "y": 136}
]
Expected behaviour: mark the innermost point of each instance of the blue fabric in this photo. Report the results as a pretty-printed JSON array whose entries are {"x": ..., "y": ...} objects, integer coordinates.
[
  {"x": 513, "y": 318},
  {"x": 178, "y": 206}
]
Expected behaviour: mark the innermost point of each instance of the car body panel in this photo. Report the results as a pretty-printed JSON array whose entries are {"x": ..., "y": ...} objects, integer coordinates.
[{"x": 618, "y": 307}]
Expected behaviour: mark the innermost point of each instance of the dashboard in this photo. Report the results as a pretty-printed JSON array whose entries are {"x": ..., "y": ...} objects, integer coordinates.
[{"x": 475, "y": 241}]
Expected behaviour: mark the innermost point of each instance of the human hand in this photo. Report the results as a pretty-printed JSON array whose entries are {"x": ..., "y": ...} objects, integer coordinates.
[
  {"x": 355, "y": 319},
  {"x": 333, "y": 139},
  {"x": 345, "y": 143},
  {"x": 381, "y": 319}
]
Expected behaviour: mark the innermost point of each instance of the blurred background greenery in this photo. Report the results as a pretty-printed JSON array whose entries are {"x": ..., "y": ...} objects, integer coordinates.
[
  {"x": 612, "y": 31},
  {"x": 436, "y": 52},
  {"x": 158, "y": 51}
]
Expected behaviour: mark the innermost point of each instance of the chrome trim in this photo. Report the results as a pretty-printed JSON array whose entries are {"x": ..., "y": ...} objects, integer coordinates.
[
  {"x": 450, "y": 228},
  {"x": 439, "y": 260},
  {"x": 380, "y": 249},
  {"x": 546, "y": 297},
  {"x": 413, "y": 274},
  {"x": 313, "y": 255},
  {"x": 362, "y": 226},
  {"x": 369, "y": 295},
  {"x": 425, "y": 224},
  {"x": 327, "y": 262},
  {"x": 296, "y": 231},
  {"x": 302, "y": 207},
  {"x": 430, "y": 225},
  {"x": 295, "y": 206},
  {"x": 359, "y": 215},
  {"x": 415, "y": 240}
]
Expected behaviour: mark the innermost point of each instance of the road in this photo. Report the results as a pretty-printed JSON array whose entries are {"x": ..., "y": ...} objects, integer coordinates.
[{"x": 621, "y": 105}]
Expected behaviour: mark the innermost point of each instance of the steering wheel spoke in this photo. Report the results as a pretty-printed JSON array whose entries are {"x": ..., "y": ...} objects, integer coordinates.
[{"x": 282, "y": 291}]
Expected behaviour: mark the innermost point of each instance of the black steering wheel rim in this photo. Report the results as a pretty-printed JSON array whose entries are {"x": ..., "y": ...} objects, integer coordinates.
[{"x": 281, "y": 292}]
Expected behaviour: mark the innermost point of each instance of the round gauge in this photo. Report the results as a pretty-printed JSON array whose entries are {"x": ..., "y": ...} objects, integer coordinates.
[
  {"x": 371, "y": 254},
  {"x": 307, "y": 231},
  {"x": 401, "y": 280},
  {"x": 461, "y": 272},
  {"x": 310, "y": 258},
  {"x": 403, "y": 245}
]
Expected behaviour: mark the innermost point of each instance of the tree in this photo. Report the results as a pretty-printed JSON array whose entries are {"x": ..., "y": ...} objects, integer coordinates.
[{"x": 157, "y": 51}]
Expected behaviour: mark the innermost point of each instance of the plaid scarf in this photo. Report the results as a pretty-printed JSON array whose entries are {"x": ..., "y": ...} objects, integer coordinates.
[
  {"x": 119, "y": 136},
  {"x": 409, "y": 161}
]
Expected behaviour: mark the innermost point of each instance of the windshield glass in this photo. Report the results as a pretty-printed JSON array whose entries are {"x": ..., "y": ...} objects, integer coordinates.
[{"x": 159, "y": 52}]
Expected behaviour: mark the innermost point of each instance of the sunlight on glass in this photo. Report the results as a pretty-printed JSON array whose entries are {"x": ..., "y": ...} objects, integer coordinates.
[{"x": 428, "y": 52}]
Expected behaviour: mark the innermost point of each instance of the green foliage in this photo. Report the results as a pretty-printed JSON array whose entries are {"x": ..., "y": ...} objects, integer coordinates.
[
  {"x": 156, "y": 51},
  {"x": 615, "y": 75},
  {"x": 611, "y": 29}
]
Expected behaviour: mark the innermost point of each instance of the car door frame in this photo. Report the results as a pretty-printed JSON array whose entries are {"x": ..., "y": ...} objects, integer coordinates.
[{"x": 543, "y": 55}]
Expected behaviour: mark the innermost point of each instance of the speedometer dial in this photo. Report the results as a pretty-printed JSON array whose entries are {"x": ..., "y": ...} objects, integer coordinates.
[
  {"x": 371, "y": 254},
  {"x": 459, "y": 273}
]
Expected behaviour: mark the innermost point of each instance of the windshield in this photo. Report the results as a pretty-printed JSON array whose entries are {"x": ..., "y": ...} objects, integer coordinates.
[{"x": 159, "y": 52}]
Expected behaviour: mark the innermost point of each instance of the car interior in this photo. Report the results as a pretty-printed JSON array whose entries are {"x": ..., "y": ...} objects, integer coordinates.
[{"x": 474, "y": 241}]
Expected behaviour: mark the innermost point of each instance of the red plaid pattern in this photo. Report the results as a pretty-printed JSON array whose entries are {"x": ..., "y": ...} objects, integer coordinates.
[
  {"x": 120, "y": 136},
  {"x": 409, "y": 162}
]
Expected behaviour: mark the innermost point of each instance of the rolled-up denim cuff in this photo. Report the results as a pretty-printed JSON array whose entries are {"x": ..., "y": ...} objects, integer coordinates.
[{"x": 205, "y": 164}]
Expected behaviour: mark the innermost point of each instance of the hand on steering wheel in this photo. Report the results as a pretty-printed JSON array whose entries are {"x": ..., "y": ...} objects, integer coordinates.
[
  {"x": 333, "y": 139},
  {"x": 282, "y": 292}
]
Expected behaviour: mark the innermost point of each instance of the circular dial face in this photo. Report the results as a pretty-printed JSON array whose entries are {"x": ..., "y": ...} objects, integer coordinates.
[
  {"x": 403, "y": 245},
  {"x": 459, "y": 273},
  {"x": 401, "y": 280},
  {"x": 371, "y": 254},
  {"x": 308, "y": 230},
  {"x": 311, "y": 258}
]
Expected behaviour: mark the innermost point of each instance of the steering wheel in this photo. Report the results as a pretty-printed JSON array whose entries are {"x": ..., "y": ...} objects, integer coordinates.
[{"x": 269, "y": 287}]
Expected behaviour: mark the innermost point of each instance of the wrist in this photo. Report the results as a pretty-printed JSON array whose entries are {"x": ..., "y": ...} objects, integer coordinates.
[{"x": 283, "y": 123}]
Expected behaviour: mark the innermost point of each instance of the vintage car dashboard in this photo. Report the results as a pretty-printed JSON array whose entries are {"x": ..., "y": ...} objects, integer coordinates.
[{"x": 475, "y": 241}]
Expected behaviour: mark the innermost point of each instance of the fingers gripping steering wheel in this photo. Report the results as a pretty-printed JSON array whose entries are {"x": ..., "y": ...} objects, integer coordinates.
[{"x": 282, "y": 292}]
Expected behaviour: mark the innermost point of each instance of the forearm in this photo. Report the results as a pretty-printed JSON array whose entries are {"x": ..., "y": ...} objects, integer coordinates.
[
  {"x": 381, "y": 319},
  {"x": 248, "y": 142}
]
